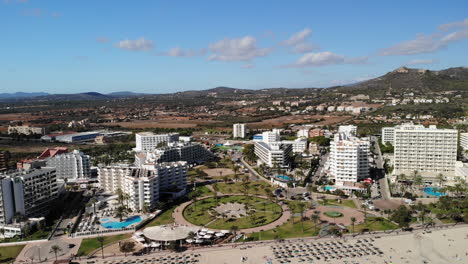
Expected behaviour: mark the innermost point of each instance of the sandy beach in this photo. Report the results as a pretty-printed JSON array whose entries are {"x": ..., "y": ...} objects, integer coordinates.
[{"x": 448, "y": 245}]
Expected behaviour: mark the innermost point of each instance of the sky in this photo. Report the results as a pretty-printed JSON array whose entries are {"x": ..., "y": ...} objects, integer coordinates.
[{"x": 151, "y": 46}]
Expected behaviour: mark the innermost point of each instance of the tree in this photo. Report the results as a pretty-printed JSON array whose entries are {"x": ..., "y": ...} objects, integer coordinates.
[
  {"x": 364, "y": 207},
  {"x": 301, "y": 209},
  {"x": 127, "y": 247},
  {"x": 402, "y": 216},
  {"x": 55, "y": 249},
  {"x": 120, "y": 212},
  {"x": 353, "y": 221},
  {"x": 234, "y": 229},
  {"x": 315, "y": 217},
  {"x": 101, "y": 240},
  {"x": 441, "y": 179},
  {"x": 93, "y": 201}
]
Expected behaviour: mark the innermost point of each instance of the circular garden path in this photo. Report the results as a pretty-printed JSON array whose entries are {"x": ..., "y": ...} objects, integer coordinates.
[{"x": 178, "y": 217}]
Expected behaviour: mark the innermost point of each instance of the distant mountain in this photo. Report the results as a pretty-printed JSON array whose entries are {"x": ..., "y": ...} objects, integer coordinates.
[
  {"x": 125, "y": 94},
  {"x": 406, "y": 80},
  {"x": 20, "y": 95}
]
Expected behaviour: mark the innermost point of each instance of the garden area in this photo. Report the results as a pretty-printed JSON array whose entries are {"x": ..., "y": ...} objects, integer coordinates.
[
  {"x": 88, "y": 245},
  {"x": 8, "y": 254},
  {"x": 224, "y": 212}
]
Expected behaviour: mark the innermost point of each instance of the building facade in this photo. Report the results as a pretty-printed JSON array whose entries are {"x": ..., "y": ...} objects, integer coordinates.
[
  {"x": 144, "y": 185},
  {"x": 71, "y": 166},
  {"x": 175, "y": 151},
  {"x": 349, "y": 130},
  {"x": 239, "y": 131},
  {"x": 147, "y": 141},
  {"x": 429, "y": 151},
  {"x": 349, "y": 158},
  {"x": 273, "y": 153},
  {"x": 28, "y": 193},
  {"x": 26, "y": 130},
  {"x": 464, "y": 141}
]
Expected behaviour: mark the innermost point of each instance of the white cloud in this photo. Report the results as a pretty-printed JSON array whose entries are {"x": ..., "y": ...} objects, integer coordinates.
[
  {"x": 140, "y": 44},
  {"x": 236, "y": 49},
  {"x": 421, "y": 61},
  {"x": 325, "y": 58},
  {"x": 430, "y": 43},
  {"x": 179, "y": 52},
  {"x": 298, "y": 37},
  {"x": 304, "y": 47},
  {"x": 457, "y": 24}
]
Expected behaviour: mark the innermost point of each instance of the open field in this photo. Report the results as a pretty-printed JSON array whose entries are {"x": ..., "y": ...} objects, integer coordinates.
[
  {"x": 163, "y": 219},
  {"x": 293, "y": 119}
]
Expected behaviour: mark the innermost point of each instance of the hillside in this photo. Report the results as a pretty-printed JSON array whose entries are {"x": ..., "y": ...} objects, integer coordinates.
[{"x": 405, "y": 80}]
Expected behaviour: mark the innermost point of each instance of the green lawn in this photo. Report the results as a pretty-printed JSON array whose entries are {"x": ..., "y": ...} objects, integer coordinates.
[
  {"x": 265, "y": 212},
  {"x": 347, "y": 203},
  {"x": 8, "y": 254},
  {"x": 256, "y": 187},
  {"x": 164, "y": 218},
  {"x": 200, "y": 191},
  {"x": 88, "y": 245},
  {"x": 291, "y": 229},
  {"x": 374, "y": 224}
]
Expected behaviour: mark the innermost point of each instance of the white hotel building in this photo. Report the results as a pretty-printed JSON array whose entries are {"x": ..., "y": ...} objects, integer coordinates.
[
  {"x": 28, "y": 193},
  {"x": 239, "y": 130},
  {"x": 144, "y": 185},
  {"x": 147, "y": 141},
  {"x": 430, "y": 151},
  {"x": 349, "y": 158},
  {"x": 71, "y": 166}
]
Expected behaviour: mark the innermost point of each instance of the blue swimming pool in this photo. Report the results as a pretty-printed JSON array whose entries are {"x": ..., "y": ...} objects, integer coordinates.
[
  {"x": 433, "y": 191},
  {"x": 329, "y": 188},
  {"x": 129, "y": 221},
  {"x": 284, "y": 177},
  {"x": 104, "y": 219}
]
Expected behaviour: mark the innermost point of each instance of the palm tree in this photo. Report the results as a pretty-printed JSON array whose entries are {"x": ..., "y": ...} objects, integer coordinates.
[
  {"x": 315, "y": 218},
  {"x": 120, "y": 212},
  {"x": 441, "y": 179},
  {"x": 353, "y": 221},
  {"x": 301, "y": 208},
  {"x": 55, "y": 249},
  {"x": 93, "y": 201},
  {"x": 364, "y": 207},
  {"x": 101, "y": 240},
  {"x": 234, "y": 229}
]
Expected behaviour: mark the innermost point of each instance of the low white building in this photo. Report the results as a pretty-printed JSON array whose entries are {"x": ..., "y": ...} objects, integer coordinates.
[
  {"x": 349, "y": 130},
  {"x": 26, "y": 130}
]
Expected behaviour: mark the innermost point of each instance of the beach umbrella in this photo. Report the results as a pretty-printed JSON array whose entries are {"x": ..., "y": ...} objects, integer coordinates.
[
  {"x": 225, "y": 231},
  {"x": 210, "y": 232},
  {"x": 202, "y": 233},
  {"x": 204, "y": 230}
]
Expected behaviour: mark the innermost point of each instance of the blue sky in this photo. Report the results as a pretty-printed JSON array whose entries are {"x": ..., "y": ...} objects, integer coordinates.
[{"x": 168, "y": 46}]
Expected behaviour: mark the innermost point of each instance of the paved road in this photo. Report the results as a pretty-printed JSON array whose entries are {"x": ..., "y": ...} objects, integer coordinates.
[{"x": 383, "y": 182}]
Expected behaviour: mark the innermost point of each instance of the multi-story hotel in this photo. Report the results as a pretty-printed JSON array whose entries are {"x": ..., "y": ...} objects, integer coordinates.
[
  {"x": 464, "y": 141},
  {"x": 274, "y": 152},
  {"x": 349, "y": 158},
  {"x": 144, "y": 185},
  {"x": 429, "y": 151},
  {"x": 147, "y": 141},
  {"x": 349, "y": 130},
  {"x": 71, "y": 166},
  {"x": 174, "y": 151},
  {"x": 28, "y": 193},
  {"x": 239, "y": 131}
]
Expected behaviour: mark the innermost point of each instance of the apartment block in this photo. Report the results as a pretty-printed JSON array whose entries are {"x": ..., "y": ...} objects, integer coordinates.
[
  {"x": 274, "y": 152},
  {"x": 349, "y": 158},
  {"x": 463, "y": 141},
  {"x": 29, "y": 193},
  {"x": 174, "y": 151},
  {"x": 71, "y": 166},
  {"x": 147, "y": 141},
  {"x": 429, "y": 151},
  {"x": 239, "y": 131}
]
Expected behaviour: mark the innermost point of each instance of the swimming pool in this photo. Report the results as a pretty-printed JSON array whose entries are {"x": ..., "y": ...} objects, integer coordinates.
[
  {"x": 283, "y": 177},
  {"x": 329, "y": 188},
  {"x": 104, "y": 219},
  {"x": 433, "y": 191},
  {"x": 129, "y": 221}
]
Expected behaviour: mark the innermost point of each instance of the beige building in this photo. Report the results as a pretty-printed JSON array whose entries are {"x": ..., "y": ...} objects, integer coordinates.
[{"x": 26, "y": 130}]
